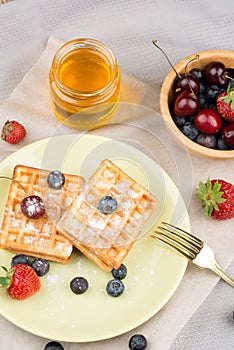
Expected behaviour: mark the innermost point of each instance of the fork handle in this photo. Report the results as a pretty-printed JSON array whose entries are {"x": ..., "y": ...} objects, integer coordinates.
[{"x": 221, "y": 273}]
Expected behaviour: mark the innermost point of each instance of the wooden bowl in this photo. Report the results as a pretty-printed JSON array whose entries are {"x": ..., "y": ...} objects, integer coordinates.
[{"x": 167, "y": 95}]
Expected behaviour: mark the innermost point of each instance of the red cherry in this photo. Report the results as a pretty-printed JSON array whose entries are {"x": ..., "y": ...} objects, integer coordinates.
[
  {"x": 186, "y": 104},
  {"x": 33, "y": 207},
  {"x": 188, "y": 82},
  {"x": 207, "y": 120},
  {"x": 214, "y": 74},
  {"x": 228, "y": 135}
]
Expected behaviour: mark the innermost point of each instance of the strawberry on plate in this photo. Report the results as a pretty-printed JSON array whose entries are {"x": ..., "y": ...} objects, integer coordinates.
[
  {"x": 13, "y": 132},
  {"x": 225, "y": 104},
  {"x": 217, "y": 198},
  {"x": 21, "y": 281}
]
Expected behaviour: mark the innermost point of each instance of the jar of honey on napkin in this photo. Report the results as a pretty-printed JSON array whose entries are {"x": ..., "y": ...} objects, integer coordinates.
[{"x": 84, "y": 84}]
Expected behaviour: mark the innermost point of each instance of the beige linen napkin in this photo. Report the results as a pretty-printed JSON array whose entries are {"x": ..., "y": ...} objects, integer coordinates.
[
  {"x": 139, "y": 123},
  {"x": 4, "y": 1}
]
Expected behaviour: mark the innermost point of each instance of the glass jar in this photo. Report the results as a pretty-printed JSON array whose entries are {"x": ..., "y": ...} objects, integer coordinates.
[{"x": 84, "y": 84}]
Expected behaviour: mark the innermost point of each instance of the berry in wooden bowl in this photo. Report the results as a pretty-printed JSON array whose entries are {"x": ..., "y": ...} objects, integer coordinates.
[{"x": 197, "y": 103}]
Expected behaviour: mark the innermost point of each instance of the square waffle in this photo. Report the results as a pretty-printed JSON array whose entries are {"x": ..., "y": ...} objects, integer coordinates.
[
  {"x": 106, "y": 239},
  {"x": 38, "y": 238}
]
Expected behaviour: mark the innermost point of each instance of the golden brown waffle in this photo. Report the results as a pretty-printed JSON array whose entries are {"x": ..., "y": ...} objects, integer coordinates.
[
  {"x": 107, "y": 238},
  {"x": 38, "y": 237}
]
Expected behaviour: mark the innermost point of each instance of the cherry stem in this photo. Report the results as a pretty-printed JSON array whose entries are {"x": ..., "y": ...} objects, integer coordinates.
[
  {"x": 155, "y": 44},
  {"x": 192, "y": 59},
  {"x": 186, "y": 74},
  {"x": 227, "y": 76},
  {"x": 9, "y": 178}
]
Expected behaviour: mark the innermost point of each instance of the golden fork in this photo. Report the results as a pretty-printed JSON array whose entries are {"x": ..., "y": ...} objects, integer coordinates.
[{"x": 193, "y": 248}]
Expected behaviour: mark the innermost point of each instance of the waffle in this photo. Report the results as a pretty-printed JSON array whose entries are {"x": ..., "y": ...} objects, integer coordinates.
[
  {"x": 38, "y": 238},
  {"x": 106, "y": 239}
]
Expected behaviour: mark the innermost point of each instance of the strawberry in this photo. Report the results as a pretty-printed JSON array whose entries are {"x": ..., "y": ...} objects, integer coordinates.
[
  {"x": 13, "y": 132},
  {"x": 225, "y": 104},
  {"x": 217, "y": 198},
  {"x": 21, "y": 281}
]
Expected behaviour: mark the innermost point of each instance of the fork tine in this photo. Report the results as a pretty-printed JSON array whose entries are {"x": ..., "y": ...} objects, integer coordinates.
[
  {"x": 185, "y": 235},
  {"x": 180, "y": 240},
  {"x": 173, "y": 235},
  {"x": 192, "y": 248},
  {"x": 179, "y": 248}
]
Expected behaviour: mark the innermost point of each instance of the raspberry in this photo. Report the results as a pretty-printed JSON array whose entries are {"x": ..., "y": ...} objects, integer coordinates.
[{"x": 13, "y": 132}]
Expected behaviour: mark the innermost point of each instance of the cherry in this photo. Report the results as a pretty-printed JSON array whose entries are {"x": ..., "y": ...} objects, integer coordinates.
[
  {"x": 186, "y": 104},
  {"x": 214, "y": 74},
  {"x": 194, "y": 109},
  {"x": 208, "y": 121},
  {"x": 188, "y": 82},
  {"x": 228, "y": 134},
  {"x": 33, "y": 207}
]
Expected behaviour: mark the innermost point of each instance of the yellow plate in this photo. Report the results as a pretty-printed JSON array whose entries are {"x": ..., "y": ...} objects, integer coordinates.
[{"x": 154, "y": 271}]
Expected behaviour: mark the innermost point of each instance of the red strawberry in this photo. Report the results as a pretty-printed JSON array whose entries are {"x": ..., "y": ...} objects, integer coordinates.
[
  {"x": 21, "y": 281},
  {"x": 217, "y": 198},
  {"x": 225, "y": 104},
  {"x": 13, "y": 131}
]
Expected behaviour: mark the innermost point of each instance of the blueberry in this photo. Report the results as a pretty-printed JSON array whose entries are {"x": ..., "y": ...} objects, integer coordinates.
[
  {"x": 231, "y": 82},
  {"x": 190, "y": 118},
  {"x": 190, "y": 130},
  {"x": 40, "y": 266},
  {"x": 115, "y": 288},
  {"x": 56, "y": 179},
  {"x": 202, "y": 87},
  {"x": 137, "y": 342},
  {"x": 120, "y": 273},
  {"x": 79, "y": 285},
  {"x": 213, "y": 106},
  {"x": 107, "y": 205},
  {"x": 212, "y": 92},
  {"x": 203, "y": 101},
  {"x": 53, "y": 345},
  {"x": 207, "y": 140},
  {"x": 20, "y": 259},
  {"x": 197, "y": 72},
  {"x": 179, "y": 121},
  {"x": 221, "y": 145}
]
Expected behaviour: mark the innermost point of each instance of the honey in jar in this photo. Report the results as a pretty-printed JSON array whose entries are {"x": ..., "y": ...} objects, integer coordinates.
[{"x": 84, "y": 84}]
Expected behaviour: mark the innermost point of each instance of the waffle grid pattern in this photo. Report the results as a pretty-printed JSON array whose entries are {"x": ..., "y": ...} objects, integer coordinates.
[
  {"x": 109, "y": 237},
  {"x": 37, "y": 237}
]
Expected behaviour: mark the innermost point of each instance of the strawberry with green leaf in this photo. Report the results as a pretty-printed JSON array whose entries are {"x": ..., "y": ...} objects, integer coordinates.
[
  {"x": 225, "y": 104},
  {"x": 21, "y": 281},
  {"x": 217, "y": 198}
]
